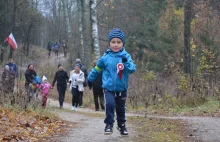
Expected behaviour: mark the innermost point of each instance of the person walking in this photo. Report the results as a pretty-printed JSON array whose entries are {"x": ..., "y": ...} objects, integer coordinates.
[
  {"x": 62, "y": 78},
  {"x": 84, "y": 70},
  {"x": 116, "y": 65},
  {"x": 14, "y": 73},
  {"x": 30, "y": 83},
  {"x": 76, "y": 84},
  {"x": 30, "y": 74},
  {"x": 97, "y": 91},
  {"x": 6, "y": 80},
  {"x": 45, "y": 88},
  {"x": 49, "y": 48}
]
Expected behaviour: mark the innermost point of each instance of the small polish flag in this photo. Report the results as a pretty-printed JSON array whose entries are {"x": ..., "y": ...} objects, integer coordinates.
[{"x": 11, "y": 41}]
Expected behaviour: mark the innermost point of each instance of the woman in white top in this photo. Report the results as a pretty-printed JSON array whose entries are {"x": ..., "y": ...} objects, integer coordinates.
[{"x": 76, "y": 83}]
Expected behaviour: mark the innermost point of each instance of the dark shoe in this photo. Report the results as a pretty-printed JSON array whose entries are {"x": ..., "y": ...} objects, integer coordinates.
[
  {"x": 108, "y": 129},
  {"x": 96, "y": 109},
  {"x": 122, "y": 129}
]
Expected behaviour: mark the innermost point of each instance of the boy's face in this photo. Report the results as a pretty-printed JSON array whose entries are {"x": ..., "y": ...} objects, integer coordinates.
[{"x": 116, "y": 44}]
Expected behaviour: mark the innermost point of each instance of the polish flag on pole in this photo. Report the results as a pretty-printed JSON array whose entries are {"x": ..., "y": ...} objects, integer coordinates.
[{"x": 11, "y": 41}]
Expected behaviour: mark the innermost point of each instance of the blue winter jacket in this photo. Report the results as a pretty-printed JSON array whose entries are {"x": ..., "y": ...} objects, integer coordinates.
[{"x": 110, "y": 78}]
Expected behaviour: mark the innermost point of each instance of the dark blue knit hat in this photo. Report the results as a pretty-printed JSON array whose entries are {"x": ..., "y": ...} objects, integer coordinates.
[{"x": 116, "y": 33}]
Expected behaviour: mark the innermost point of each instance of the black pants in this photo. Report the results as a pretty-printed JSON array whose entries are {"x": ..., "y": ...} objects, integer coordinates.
[
  {"x": 61, "y": 90},
  {"x": 98, "y": 94},
  {"x": 76, "y": 96},
  {"x": 81, "y": 99},
  {"x": 49, "y": 51}
]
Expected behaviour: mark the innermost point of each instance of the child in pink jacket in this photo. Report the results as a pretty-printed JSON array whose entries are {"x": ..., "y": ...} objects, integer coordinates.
[{"x": 45, "y": 87}]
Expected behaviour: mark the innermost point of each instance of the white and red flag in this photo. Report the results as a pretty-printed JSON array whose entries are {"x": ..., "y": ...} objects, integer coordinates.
[{"x": 11, "y": 41}]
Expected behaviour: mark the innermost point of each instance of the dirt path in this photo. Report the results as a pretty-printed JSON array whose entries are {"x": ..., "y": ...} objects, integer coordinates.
[
  {"x": 89, "y": 128},
  {"x": 205, "y": 129}
]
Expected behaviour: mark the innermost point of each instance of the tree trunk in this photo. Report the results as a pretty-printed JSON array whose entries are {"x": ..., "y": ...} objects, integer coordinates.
[
  {"x": 28, "y": 37},
  {"x": 81, "y": 20},
  {"x": 94, "y": 29},
  {"x": 65, "y": 22},
  {"x": 187, "y": 22}
]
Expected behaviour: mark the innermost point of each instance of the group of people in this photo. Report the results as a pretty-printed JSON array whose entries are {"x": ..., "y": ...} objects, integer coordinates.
[
  {"x": 108, "y": 79},
  {"x": 109, "y": 76},
  {"x": 56, "y": 47}
]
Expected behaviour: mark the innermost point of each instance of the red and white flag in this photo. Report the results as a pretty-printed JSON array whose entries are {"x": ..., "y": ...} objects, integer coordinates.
[{"x": 11, "y": 41}]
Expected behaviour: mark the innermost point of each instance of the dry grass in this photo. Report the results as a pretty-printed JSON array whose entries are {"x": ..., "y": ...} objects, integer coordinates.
[{"x": 158, "y": 130}]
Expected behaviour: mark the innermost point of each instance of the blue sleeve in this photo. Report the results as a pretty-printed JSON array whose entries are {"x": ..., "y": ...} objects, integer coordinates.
[
  {"x": 129, "y": 66},
  {"x": 95, "y": 71}
]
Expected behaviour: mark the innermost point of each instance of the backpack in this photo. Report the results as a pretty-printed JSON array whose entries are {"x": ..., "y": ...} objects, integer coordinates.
[{"x": 37, "y": 80}]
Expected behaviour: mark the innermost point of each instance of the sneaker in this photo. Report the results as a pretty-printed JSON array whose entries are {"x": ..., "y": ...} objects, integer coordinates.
[
  {"x": 122, "y": 129},
  {"x": 73, "y": 108},
  {"x": 108, "y": 129}
]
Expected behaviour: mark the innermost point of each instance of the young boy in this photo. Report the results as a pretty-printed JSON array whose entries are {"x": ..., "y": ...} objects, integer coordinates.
[{"x": 116, "y": 64}]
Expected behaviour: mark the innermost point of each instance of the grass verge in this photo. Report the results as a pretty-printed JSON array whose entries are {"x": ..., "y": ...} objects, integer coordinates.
[
  {"x": 210, "y": 108},
  {"x": 158, "y": 130}
]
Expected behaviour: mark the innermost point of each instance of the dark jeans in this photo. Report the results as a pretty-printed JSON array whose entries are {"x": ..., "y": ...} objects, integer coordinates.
[
  {"x": 61, "y": 90},
  {"x": 49, "y": 51},
  {"x": 81, "y": 99},
  {"x": 76, "y": 96},
  {"x": 98, "y": 94},
  {"x": 112, "y": 101}
]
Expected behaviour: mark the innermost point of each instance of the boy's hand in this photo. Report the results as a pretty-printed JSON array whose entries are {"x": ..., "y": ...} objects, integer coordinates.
[{"x": 124, "y": 59}]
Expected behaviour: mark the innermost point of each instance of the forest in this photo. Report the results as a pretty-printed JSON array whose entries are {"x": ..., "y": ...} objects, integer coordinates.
[{"x": 175, "y": 44}]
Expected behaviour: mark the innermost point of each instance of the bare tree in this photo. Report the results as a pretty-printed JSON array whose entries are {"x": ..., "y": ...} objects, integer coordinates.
[
  {"x": 94, "y": 29},
  {"x": 187, "y": 31},
  {"x": 81, "y": 20}
]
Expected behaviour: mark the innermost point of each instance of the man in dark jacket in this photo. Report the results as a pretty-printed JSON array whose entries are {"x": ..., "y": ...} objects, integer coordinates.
[
  {"x": 98, "y": 91},
  {"x": 84, "y": 70},
  {"x": 62, "y": 78}
]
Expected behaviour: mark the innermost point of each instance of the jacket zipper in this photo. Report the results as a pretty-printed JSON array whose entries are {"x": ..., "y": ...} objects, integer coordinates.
[{"x": 116, "y": 72}]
